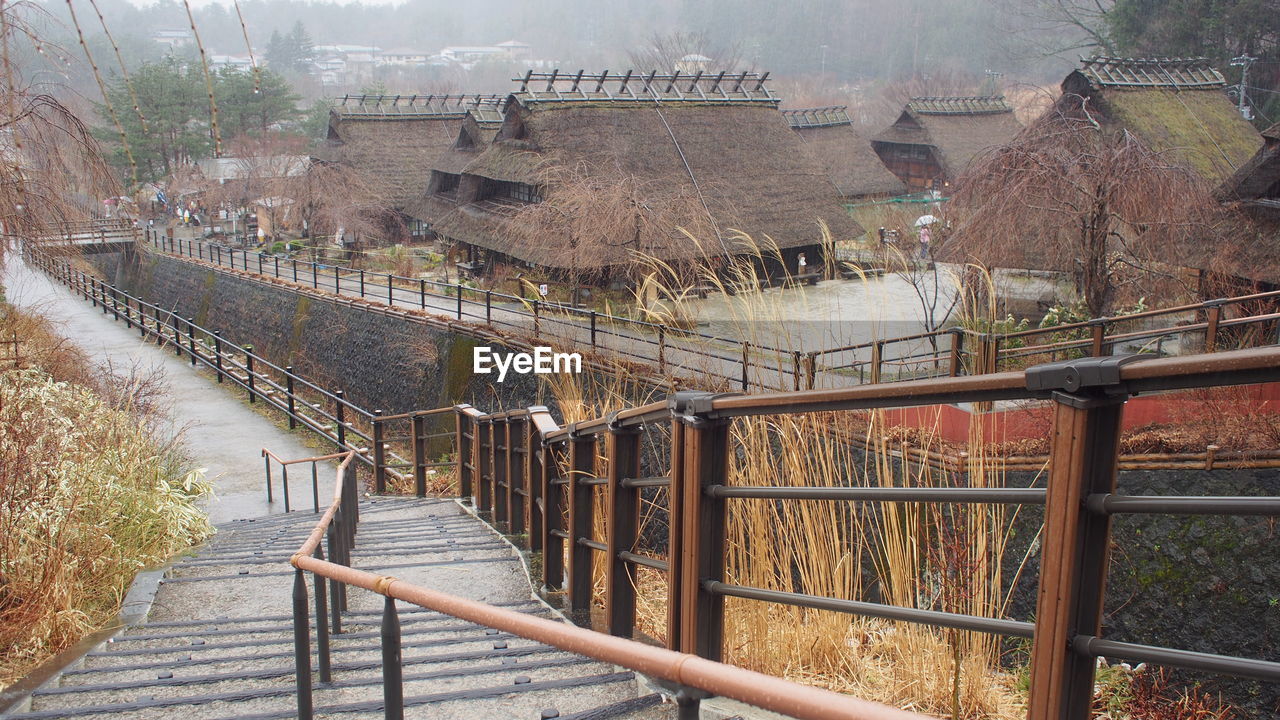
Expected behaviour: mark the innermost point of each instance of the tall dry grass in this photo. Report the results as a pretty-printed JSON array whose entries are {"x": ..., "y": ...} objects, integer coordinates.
[
  {"x": 926, "y": 556},
  {"x": 88, "y": 496}
]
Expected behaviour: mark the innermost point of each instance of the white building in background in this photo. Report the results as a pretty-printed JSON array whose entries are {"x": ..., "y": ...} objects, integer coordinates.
[
  {"x": 404, "y": 57},
  {"x": 173, "y": 38},
  {"x": 693, "y": 63},
  {"x": 239, "y": 62},
  {"x": 516, "y": 49}
]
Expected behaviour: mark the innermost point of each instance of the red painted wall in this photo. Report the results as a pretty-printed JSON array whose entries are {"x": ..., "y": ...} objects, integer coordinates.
[{"x": 1032, "y": 419}]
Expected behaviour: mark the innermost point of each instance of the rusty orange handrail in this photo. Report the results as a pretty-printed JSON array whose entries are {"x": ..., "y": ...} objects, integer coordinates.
[
  {"x": 765, "y": 691},
  {"x": 685, "y": 669}
]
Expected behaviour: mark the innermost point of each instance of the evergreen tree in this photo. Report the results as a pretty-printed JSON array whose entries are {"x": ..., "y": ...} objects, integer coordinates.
[{"x": 301, "y": 47}]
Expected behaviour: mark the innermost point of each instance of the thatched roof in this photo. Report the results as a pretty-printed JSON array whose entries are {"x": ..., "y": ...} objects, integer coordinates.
[
  {"x": 650, "y": 154},
  {"x": 957, "y": 128},
  {"x": 1259, "y": 178},
  {"x": 1176, "y": 106},
  {"x": 392, "y": 140},
  {"x": 1255, "y": 190},
  {"x": 829, "y": 137},
  {"x": 475, "y": 134}
]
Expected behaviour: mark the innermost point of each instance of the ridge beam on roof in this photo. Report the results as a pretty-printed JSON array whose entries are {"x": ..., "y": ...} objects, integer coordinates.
[{"x": 677, "y": 86}]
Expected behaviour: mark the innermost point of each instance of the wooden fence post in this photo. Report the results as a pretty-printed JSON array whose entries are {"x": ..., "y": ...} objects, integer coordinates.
[
  {"x": 1085, "y": 448},
  {"x": 501, "y": 488},
  {"x": 418, "y": 430},
  {"x": 517, "y": 473},
  {"x": 484, "y": 466},
  {"x": 582, "y": 466},
  {"x": 622, "y": 523},
  {"x": 538, "y": 421},
  {"x": 704, "y": 462},
  {"x": 379, "y": 455},
  {"x": 1213, "y": 317},
  {"x": 552, "y": 519},
  {"x": 466, "y": 422}
]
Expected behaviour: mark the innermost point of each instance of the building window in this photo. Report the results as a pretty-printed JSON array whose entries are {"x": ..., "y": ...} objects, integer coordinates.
[
  {"x": 912, "y": 152},
  {"x": 447, "y": 183},
  {"x": 503, "y": 190}
]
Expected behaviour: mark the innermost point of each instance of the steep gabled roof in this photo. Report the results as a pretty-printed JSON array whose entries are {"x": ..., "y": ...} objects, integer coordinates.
[
  {"x": 700, "y": 151},
  {"x": 957, "y": 127},
  {"x": 391, "y": 139},
  {"x": 1259, "y": 178},
  {"x": 831, "y": 140},
  {"x": 1175, "y": 105}
]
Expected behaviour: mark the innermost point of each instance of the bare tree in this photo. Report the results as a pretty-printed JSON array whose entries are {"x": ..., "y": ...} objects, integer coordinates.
[
  {"x": 1071, "y": 196},
  {"x": 1062, "y": 27},
  {"x": 331, "y": 197},
  {"x": 51, "y": 168},
  {"x": 668, "y": 52},
  {"x": 592, "y": 220}
]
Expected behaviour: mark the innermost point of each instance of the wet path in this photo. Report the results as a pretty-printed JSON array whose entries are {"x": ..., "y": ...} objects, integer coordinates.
[{"x": 224, "y": 434}]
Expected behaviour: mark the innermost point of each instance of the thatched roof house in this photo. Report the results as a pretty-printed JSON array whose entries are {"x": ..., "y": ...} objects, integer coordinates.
[
  {"x": 1255, "y": 190},
  {"x": 829, "y": 136},
  {"x": 477, "y": 131},
  {"x": 391, "y": 140},
  {"x": 1176, "y": 106},
  {"x": 934, "y": 138},
  {"x": 588, "y": 174}
]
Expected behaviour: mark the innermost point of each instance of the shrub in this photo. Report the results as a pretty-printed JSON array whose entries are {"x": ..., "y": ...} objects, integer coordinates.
[{"x": 87, "y": 499}]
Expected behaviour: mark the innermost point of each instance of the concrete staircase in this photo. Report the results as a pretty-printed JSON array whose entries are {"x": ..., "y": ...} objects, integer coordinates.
[{"x": 218, "y": 641}]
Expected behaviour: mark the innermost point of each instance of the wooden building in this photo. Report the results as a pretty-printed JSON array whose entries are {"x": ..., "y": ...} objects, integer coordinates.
[
  {"x": 934, "y": 138},
  {"x": 1177, "y": 106},
  {"x": 1254, "y": 189},
  {"x": 830, "y": 138},
  {"x": 588, "y": 175},
  {"x": 392, "y": 139}
]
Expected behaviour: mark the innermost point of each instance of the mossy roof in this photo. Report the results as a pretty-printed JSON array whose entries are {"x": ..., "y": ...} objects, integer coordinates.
[{"x": 1201, "y": 129}]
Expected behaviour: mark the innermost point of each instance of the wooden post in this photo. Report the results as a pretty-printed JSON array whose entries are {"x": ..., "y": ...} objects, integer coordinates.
[
  {"x": 340, "y": 420},
  {"x": 418, "y": 423},
  {"x": 582, "y": 466},
  {"x": 517, "y": 474},
  {"x": 622, "y": 524},
  {"x": 675, "y": 536},
  {"x": 705, "y": 462},
  {"x": 501, "y": 487},
  {"x": 1098, "y": 331},
  {"x": 535, "y": 479},
  {"x": 552, "y": 514},
  {"x": 379, "y": 455},
  {"x": 248, "y": 371},
  {"x": 290, "y": 397},
  {"x": 877, "y": 352},
  {"x": 217, "y": 353},
  {"x": 484, "y": 466},
  {"x": 1213, "y": 317},
  {"x": 957, "y": 350},
  {"x": 466, "y": 426},
  {"x": 1075, "y": 555}
]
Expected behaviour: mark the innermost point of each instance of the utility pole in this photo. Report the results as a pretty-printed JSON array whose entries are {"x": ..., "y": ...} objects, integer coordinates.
[
  {"x": 1243, "y": 62},
  {"x": 993, "y": 79}
]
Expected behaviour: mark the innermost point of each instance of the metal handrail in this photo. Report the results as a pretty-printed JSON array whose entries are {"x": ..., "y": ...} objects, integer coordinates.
[{"x": 684, "y": 670}]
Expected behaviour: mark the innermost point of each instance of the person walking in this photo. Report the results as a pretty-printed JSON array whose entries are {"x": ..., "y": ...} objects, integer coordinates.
[{"x": 924, "y": 242}]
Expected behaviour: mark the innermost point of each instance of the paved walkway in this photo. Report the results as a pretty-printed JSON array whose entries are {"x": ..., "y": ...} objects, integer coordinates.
[
  {"x": 218, "y": 642},
  {"x": 225, "y": 436}
]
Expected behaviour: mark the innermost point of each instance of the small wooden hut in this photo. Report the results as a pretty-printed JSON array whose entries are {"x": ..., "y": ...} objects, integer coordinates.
[
  {"x": 854, "y": 168},
  {"x": 1254, "y": 189},
  {"x": 934, "y": 138},
  {"x": 392, "y": 139}
]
